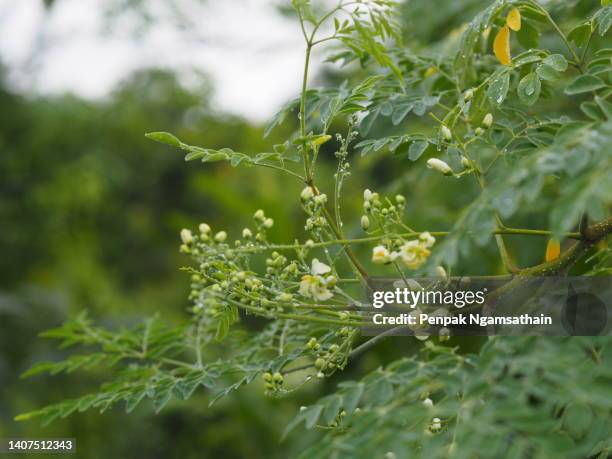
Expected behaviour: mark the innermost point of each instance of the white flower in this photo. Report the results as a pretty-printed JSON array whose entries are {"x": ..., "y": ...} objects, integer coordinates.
[
  {"x": 320, "y": 198},
  {"x": 204, "y": 228},
  {"x": 313, "y": 285},
  {"x": 319, "y": 268},
  {"x": 487, "y": 121},
  {"x": 414, "y": 253},
  {"x": 428, "y": 403},
  {"x": 307, "y": 193},
  {"x": 259, "y": 215},
  {"x": 247, "y": 234},
  {"x": 186, "y": 236},
  {"x": 427, "y": 239},
  {"x": 221, "y": 236},
  {"x": 381, "y": 255},
  {"x": 436, "y": 424},
  {"x": 367, "y": 195},
  {"x": 440, "y": 166},
  {"x": 446, "y": 133}
]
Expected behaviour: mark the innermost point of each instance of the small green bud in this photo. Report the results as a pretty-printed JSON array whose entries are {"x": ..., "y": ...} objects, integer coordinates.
[
  {"x": 259, "y": 215},
  {"x": 319, "y": 363},
  {"x": 278, "y": 378},
  {"x": 487, "y": 121},
  {"x": 267, "y": 376},
  {"x": 365, "y": 222},
  {"x": 307, "y": 194},
  {"x": 186, "y": 236},
  {"x": 446, "y": 133}
]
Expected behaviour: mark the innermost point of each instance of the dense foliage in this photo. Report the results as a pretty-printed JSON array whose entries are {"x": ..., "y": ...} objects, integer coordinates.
[{"x": 492, "y": 108}]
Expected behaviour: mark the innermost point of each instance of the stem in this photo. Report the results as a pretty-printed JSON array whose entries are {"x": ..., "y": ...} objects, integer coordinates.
[
  {"x": 561, "y": 34},
  {"x": 365, "y": 240}
]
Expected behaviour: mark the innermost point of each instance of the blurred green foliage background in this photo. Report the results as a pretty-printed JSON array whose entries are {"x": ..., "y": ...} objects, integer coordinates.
[{"x": 90, "y": 213}]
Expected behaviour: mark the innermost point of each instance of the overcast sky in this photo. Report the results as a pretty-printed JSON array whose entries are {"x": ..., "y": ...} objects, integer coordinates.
[{"x": 253, "y": 54}]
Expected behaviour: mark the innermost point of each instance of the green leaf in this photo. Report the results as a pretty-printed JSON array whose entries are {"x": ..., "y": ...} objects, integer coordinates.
[
  {"x": 529, "y": 89},
  {"x": 580, "y": 34},
  {"x": 416, "y": 149},
  {"x": 591, "y": 109},
  {"x": 603, "y": 19},
  {"x": 547, "y": 73},
  {"x": 605, "y": 106},
  {"x": 498, "y": 87},
  {"x": 556, "y": 61},
  {"x": 528, "y": 36},
  {"x": 164, "y": 137},
  {"x": 584, "y": 83}
]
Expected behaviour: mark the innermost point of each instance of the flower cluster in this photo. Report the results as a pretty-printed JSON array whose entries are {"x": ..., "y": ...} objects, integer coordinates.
[
  {"x": 413, "y": 253},
  {"x": 315, "y": 285}
]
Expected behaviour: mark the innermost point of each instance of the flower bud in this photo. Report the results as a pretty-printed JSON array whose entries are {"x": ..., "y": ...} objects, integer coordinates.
[
  {"x": 465, "y": 162},
  {"x": 400, "y": 199},
  {"x": 186, "y": 236},
  {"x": 277, "y": 378},
  {"x": 320, "y": 199},
  {"x": 247, "y": 234},
  {"x": 436, "y": 424},
  {"x": 204, "y": 228},
  {"x": 285, "y": 297},
  {"x": 479, "y": 131},
  {"x": 487, "y": 121},
  {"x": 268, "y": 223},
  {"x": 441, "y": 272},
  {"x": 468, "y": 94},
  {"x": 307, "y": 193},
  {"x": 221, "y": 236},
  {"x": 321, "y": 139},
  {"x": 446, "y": 133},
  {"x": 309, "y": 243},
  {"x": 365, "y": 222},
  {"x": 319, "y": 363},
  {"x": 331, "y": 281},
  {"x": 267, "y": 377},
  {"x": 440, "y": 166},
  {"x": 367, "y": 195},
  {"x": 428, "y": 403},
  {"x": 259, "y": 215}
]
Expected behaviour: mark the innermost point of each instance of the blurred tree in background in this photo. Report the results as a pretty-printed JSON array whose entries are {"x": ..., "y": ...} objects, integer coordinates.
[{"x": 90, "y": 212}]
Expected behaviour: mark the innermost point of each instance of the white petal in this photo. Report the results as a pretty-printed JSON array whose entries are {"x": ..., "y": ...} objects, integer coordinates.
[{"x": 319, "y": 268}]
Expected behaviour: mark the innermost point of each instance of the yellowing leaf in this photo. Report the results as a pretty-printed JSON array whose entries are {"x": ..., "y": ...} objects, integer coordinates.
[
  {"x": 430, "y": 71},
  {"x": 553, "y": 250},
  {"x": 501, "y": 46},
  {"x": 513, "y": 20}
]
